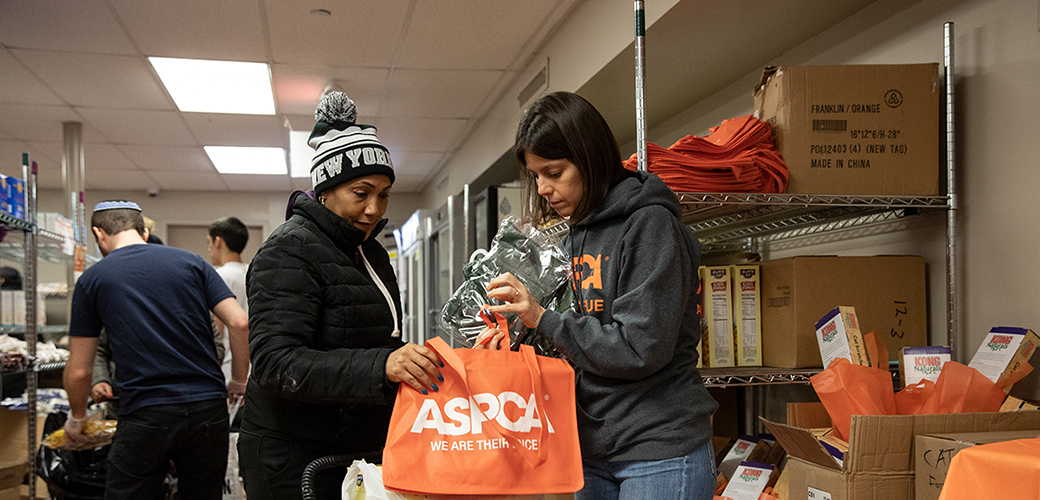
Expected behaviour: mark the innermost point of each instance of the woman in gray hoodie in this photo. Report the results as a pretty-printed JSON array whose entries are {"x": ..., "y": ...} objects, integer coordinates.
[{"x": 643, "y": 412}]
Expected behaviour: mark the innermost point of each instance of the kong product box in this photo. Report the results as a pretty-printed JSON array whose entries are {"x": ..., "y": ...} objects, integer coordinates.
[
  {"x": 921, "y": 363},
  {"x": 747, "y": 314},
  {"x": 934, "y": 453},
  {"x": 855, "y": 129},
  {"x": 739, "y": 452},
  {"x": 880, "y": 462},
  {"x": 838, "y": 335},
  {"x": 749, "y": 481},
  {"x": 1003, "y": 352},
  {"x": 718, "y": 313},
  {"x": 888, "y": 293}
]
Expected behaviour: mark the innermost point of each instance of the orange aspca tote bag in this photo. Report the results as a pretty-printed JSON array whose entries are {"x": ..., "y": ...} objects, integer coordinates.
[{"x": 502, "y": 423}]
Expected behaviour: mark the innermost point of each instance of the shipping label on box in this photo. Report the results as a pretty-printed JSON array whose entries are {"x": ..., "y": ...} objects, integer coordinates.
[
  {"x": 935, "y": 452},
  {"x": 749, "y": 481},
  {"x": 718, "y": 311},
  {"x": 855, "y": 129},
  {"x": 839, "y": 337},
  {"x": 922, "y": 363},
  {"x": 747, "y": 303},
  {"x": 1003, "y": 352}
]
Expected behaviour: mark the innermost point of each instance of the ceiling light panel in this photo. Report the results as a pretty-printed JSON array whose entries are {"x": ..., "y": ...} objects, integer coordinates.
[
  {"x": 242, "y": 160},
  {"x": 205, "y": 86}
]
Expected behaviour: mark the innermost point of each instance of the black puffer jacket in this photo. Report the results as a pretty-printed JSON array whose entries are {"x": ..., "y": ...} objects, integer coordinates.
[{"x": 320, "y": 333}]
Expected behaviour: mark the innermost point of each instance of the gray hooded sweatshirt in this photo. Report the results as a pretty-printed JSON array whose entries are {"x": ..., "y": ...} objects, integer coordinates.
[{"x": 633, "y": 345}]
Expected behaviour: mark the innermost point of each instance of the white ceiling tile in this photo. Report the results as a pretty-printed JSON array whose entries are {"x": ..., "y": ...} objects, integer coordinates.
[
  {"x": 438, "y": 94},
  {"x": 419, "y": 134},
  {"x": 196, "y": 29},
  {"x": 189, "y": 181},
  {"x": 119, "y": 180},
  {"x": 359, "y": 33},
  {"x": 79, "y": 26},
  {"x": 408, "y": 184},
  {"x": 257, "y": 182},
  {"x": 42, "y": 123},
  {"x": 91, "y": 80},
  {"x": 11, "y": 157},
  {"x": 471, "y": 34},
  {"x": 126, "y": 126},
  {"x": 173, "y": 159},
  {"x": 19, "y": 86},
  {"x": 414, "y": 164},
  {"x": 48, "y": 156},
  {"x": 301, "y": 123},
  {"x": 215, "y": 129},
  {"x": 298, "y": 88},
  {"x": 105, "y": 158}
]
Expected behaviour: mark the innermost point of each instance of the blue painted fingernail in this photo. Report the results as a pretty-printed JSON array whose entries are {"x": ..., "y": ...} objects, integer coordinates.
[
  {"x": 435, "y": 387},
  {"x": 440, "y": 378},
  {"x": 424, "y": 392},
  {"x": 442, "y": 364}
]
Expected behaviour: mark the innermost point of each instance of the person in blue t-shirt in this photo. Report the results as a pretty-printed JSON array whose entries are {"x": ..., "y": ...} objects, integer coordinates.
[{"x": 154, "y": 302}]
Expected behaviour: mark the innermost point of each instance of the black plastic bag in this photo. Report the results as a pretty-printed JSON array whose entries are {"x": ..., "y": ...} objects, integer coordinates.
[{"x": 73, "y": 475}]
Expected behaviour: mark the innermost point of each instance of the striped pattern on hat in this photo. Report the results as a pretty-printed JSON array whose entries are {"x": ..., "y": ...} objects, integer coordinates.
[{"x": 344, "y": 150}]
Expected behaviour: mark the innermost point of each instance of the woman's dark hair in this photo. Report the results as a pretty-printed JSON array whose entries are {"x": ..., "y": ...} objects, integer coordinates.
[{"x": 563, "y": 125}]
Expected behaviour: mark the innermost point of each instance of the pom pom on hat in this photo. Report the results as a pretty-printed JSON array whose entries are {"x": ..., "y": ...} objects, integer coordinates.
[
  {"x": 344, "y": 150},
  {"x": 336, "y": 107}
]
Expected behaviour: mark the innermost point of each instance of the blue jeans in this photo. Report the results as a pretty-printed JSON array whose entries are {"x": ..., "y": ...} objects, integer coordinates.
[
  {"x": 687, "y": 477},
  {"x": 193, "y": 435}
]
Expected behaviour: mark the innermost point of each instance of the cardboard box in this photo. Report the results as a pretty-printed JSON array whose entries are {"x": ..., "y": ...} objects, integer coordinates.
[
  {"x": 855, "y": 129},
  {"x": 1015, "y": 404},
  {"x": 747, "y": 314},
  {"x": 1003, "y": 352},
  {"x": 838, "y": 335},
  {"x": 718, "y": 311},
  {"x": 935, "y": 452},
  {"x": 888, "y": 293},
  {"x": 880, "y": 461},
  {"x": 921, "y": 363}
]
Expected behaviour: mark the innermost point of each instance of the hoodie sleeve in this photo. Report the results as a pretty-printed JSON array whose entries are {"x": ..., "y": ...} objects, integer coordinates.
[
  {"x": 636, "y": 334},
  {"x": 284, "y": 309}
]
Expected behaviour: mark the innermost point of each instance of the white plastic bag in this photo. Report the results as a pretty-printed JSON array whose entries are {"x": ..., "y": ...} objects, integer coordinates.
[
  {"x": 368, "y": 475},
  {"x": 233, "y": 489}
]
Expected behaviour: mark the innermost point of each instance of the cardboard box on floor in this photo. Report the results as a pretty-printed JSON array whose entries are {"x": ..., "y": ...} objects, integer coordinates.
[
  {"x": 887, "y": 291},
  {"x": 934, "y": 452},
  {"x": 14, "y": 448},
  {"x": 855, "y": 129},
  {"x": 880, "y": 461}
]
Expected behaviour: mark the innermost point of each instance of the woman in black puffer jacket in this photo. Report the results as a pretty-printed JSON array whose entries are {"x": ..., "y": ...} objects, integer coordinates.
[{"x": 324, "y": 327}]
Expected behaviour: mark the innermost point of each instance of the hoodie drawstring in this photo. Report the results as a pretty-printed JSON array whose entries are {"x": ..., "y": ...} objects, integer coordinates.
[{"x": 382, "y": 288}]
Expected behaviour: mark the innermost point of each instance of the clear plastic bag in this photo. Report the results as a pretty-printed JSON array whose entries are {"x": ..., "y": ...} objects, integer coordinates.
[{"x": 535, "y": 258}]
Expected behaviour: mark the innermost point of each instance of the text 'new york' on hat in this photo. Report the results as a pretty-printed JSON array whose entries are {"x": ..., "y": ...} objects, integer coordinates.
[
  {"x": 116, "y": 204},
  {"x": 344, "y": 150}
]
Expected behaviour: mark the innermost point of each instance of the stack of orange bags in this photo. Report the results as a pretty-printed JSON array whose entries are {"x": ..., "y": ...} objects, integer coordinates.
[{"x": 737, "y": 157}]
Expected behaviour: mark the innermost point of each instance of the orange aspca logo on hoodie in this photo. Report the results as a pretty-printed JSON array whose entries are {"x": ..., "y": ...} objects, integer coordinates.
[
  {"x": 588, "y": 274},
  {"x": 594, "y": 277}
]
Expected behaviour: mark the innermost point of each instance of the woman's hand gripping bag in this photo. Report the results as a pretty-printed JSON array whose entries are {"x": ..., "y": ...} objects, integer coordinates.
[{"x": 502, "y": 423}]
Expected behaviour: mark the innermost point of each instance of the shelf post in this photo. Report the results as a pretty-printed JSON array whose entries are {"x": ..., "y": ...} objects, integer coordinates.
[
  {"x": 952, "y": 332},
  {"x": 640, "y": 85},
  {"x": 29, "y": 288}
]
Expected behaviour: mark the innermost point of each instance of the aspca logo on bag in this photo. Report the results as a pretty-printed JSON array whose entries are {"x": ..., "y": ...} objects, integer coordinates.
[{"x": 467, "y": 416}]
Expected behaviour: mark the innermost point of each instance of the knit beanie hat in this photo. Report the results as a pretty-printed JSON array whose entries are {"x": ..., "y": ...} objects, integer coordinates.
[{"x": 344, "y": 150}]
